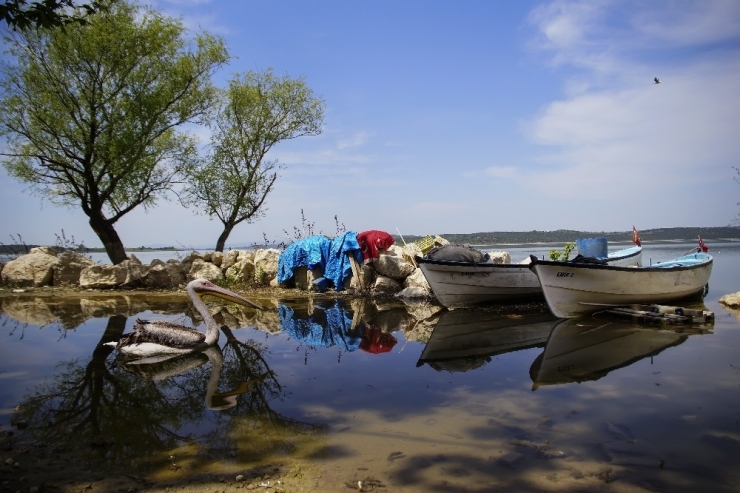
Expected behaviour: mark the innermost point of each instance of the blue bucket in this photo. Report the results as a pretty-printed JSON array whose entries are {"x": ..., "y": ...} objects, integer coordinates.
[{"x": 592, "y": 247}]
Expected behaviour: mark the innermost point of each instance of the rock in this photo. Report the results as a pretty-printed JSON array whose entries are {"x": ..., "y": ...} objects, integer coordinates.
[
  {"x": 103, "y": 276},
  {"x": 499, "y": 257},
  {"x": 134, "y": 259},
  {"x": 217, "y": 258},
  {"x": 67, "y": 270},
  {"x": 229, "y": 259},
  {"x": 157, "y": 277},
  {"x": 384, "y": 284},
  {"x": 410, "y": 252},
  {"x": 205, "y": 270},
  {"x": 135, "y": 272},
  {"x": 731, "y": 300},
  {"x": 241, "y": 271},
  {"x": 391, "y": 263},
  {"x": 32, "y": 269},
  {"x": 417, "y": 280},
  {"x": 44, "y": 249},
  {"x": 177, "y": 272},
  {"x": 413, "y": 293},
  {"x": 266, "y": 265},
  {"x": 439, "y": 241},
  {"x": 191, "y": 257}
]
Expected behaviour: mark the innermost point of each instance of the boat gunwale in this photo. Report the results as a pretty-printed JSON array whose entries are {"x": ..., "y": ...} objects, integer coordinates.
[
  {"x": 459, "y": 263},
  {"x": 651, "y": 268}
]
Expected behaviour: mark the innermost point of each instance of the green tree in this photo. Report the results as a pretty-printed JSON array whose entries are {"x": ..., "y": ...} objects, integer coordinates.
[
  {"x": 90, "y": 112},
  {"x": 257, "y": 111},
  {"x": 20, "y": 14}
]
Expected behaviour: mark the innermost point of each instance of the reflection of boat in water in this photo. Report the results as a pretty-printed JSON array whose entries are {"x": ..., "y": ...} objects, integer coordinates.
[
  {"x": 588, "y": 348},
  {"x": 158, "y": 368},
  {"x": 463, "y": 340}
]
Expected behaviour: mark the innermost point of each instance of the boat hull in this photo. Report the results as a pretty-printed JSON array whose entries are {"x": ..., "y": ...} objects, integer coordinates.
[
  {"x": 459, "y": 284},
  {"x": 573, "y": 289}
]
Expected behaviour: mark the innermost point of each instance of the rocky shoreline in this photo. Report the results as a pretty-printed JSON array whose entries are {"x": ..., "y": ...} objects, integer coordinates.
[{"x": 394, "y": 272}]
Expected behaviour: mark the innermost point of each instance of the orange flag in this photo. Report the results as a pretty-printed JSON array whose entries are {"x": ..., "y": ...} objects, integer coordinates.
[{"x": 636, "y": 237}]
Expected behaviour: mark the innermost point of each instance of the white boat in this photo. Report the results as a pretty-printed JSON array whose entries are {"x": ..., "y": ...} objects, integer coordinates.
[
  {"x": 572, "y": 289},
  {"x": 457, "y": 284}
]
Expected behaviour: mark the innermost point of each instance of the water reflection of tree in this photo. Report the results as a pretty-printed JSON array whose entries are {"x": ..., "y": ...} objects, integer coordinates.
[{"x": 104, "y": 411}]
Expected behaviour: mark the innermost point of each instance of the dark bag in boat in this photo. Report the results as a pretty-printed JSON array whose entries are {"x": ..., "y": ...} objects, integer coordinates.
[
  {"x": 580, "y": 259},
  {"x": 455, "y": 253}
]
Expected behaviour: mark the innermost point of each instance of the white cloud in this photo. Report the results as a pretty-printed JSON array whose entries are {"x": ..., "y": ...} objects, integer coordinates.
[{"x": 625, "y": 133}]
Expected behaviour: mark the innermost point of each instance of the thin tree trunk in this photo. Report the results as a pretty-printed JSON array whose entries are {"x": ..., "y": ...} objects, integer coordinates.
[
  {"x": 223, "y": 237},
  {"x": 109, "y": 237}
]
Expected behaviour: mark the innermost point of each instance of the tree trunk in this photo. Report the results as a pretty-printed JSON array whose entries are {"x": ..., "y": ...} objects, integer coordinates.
[
  {"x": 108, "y": 235},
  {"x": 223, "y": 237}
]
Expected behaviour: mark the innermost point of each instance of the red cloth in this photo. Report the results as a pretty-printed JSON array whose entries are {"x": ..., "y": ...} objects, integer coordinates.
[
  {"x": 636, "y": 237},
  {"x": 372, "y": 243}
]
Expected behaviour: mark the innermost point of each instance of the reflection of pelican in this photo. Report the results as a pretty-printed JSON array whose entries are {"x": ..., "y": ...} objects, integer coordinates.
[
  {"x": 158, "y": 368},
  {"x": 160, "y": 337}
]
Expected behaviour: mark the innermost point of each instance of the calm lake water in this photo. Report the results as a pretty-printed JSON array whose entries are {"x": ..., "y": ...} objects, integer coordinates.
[{"x": 407, "y": 398}]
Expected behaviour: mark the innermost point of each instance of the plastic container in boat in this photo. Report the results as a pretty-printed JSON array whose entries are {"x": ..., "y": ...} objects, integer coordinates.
[{"x": 592, "y": 247}]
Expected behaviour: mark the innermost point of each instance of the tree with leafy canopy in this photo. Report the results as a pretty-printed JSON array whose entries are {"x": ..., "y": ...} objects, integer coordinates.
[
  {"x": 90, "y": 113},
  {"x": 258, "y": 110},
  {"x": 20, "y": 14}
]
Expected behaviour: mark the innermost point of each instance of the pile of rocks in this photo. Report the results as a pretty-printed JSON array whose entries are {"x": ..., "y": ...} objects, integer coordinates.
[{"x": 394, "y": 272}]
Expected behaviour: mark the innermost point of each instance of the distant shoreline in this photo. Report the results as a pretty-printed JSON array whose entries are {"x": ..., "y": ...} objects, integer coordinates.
[{"x": 725, "y": 233}]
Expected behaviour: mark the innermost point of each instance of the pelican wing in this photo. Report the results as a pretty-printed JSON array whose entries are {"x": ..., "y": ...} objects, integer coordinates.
[{"x": 164, "y": 333}]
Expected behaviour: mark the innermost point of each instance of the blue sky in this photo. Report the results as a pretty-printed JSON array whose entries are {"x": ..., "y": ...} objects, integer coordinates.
[{"x": 471, "y": 116}]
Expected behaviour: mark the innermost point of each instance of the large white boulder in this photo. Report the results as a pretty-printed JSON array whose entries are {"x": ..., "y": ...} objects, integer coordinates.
[
  {"x": 67, "y": 270},
  {"x": 103, "y": 276},
  {"x": 33, "y": 269},
  {"x": 393, "y": 264},
  {"x": 206, "y": 270},
  {"x": 266, "y": 265},
  {"x": 732, "y": 300}
]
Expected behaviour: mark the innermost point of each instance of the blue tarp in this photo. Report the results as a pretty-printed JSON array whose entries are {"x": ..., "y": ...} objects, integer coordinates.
[
  {"x": 309, "y": 252},
  {"x": 338, "y": 267},
  {"x": 330, "y": 329}
]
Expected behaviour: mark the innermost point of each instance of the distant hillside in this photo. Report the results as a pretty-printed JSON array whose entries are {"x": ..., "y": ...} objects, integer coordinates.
[
  {"x": 565, "y": 235},
  {"x": 506, "y": 238}
]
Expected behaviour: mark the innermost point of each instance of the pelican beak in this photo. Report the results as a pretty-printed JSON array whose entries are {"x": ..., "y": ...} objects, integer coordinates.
[{"x": 229, "y": 295}]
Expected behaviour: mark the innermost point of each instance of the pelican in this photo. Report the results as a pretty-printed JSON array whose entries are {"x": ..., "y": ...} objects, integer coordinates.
[{"x": 165, "y": 338}]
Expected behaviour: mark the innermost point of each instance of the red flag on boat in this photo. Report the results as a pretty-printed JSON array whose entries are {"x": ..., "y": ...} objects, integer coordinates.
[
  {"x": 702, "y": 245},
  {"x": 636, "y": 237}
]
